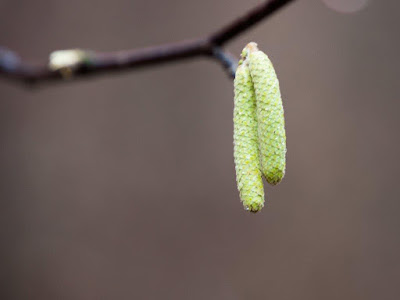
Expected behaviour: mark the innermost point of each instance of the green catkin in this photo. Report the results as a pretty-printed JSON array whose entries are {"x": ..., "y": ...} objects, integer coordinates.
[
  {"x": 245, "y": 138},
  {"x": 270, "y": 116}
]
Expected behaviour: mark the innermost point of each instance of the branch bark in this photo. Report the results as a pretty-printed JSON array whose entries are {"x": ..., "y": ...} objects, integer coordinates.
[{"x": 94, "y": 63}]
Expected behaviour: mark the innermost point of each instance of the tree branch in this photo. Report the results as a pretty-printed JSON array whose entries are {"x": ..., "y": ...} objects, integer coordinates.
[{"x": 86, "y": 63}]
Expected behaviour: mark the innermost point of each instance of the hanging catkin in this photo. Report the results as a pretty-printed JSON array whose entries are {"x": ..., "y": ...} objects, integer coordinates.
[
  {"x": 245, "y": 138},
  {"x": 270, "y": 117},
  {"x": 259, "y": 127}
]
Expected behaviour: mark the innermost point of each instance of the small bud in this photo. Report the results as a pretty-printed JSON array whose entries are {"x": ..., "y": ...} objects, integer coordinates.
[{"x": 67, "y": 61}]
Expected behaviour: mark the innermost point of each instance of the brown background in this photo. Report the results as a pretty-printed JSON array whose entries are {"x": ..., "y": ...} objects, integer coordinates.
[{"x": 123, "y": 187}]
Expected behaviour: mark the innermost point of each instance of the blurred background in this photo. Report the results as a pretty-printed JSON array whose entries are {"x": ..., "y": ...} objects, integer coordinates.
[{"x": 123, "y": 186}]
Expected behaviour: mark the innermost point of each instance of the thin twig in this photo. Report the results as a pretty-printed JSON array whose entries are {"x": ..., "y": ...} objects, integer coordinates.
[
  {"x": 93, "y": 63},
  {"x": 246, "y": 21},
  {"x": 227, "y": 60}
]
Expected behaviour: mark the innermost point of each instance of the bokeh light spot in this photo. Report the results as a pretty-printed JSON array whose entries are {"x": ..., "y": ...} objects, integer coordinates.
[{"x": 346, "y": 6}]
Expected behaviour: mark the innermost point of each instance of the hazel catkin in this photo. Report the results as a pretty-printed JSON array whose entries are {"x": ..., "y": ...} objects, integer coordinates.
[
  {"x": 270, "y": 115},
  {"x": 245, "y": 138}
]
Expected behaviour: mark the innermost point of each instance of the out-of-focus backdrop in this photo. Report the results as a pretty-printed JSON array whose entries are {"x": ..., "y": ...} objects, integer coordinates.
[{"x": 123, "y": 186}]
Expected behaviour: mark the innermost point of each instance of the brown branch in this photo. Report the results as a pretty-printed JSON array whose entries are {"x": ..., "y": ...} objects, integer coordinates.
[
  {"x": 243, "y": 23},
  {"x": 93, "y": 63}
]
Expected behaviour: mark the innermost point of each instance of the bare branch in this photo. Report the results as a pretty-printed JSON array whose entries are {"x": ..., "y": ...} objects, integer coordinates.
[
  {"x": 248, "y": 20},
  {"x": 91, "y": 63}
]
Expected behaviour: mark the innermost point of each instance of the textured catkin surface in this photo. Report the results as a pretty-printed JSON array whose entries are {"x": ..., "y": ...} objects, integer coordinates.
[
  {"x": 270, "y": 117},
  {"x": 245, "y": 138}
]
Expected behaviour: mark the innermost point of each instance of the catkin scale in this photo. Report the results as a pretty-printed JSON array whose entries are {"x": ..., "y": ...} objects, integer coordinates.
[
  {"x": 245, "y": 137},
  {"x": 270, "y": 115}
]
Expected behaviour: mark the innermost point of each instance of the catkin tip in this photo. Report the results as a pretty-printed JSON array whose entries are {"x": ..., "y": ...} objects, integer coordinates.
[
  {"x": 254, "y": 210},
  {"x": 253, "y": 207},
  {"x": 250, "y": 47}
]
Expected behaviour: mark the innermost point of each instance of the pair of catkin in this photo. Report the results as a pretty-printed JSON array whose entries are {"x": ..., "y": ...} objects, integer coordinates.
[{"x": 259, "y": 127}]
